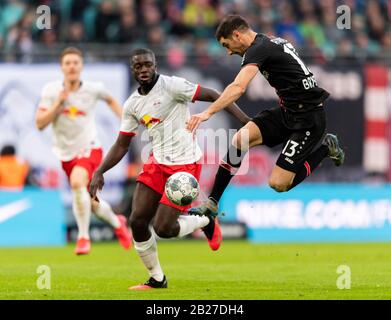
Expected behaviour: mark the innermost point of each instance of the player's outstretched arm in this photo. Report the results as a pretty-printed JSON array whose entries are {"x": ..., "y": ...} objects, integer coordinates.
[
  {"x": 230, "y": 94},
  {"x": 45, "y": 116},
  {"x": 114, "y": 106},
  {"x": 211, "y": 95},
  {"x": 116, "y": 153}
]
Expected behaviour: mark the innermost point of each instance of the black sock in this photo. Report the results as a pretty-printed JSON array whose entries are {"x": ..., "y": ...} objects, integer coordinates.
[
  {"x": 227, "y": 169},
  {"x": 314, "y": 159}
]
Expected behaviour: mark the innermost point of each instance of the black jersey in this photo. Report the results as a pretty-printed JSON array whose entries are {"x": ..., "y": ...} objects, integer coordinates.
[{"x": 279, "y": 63}]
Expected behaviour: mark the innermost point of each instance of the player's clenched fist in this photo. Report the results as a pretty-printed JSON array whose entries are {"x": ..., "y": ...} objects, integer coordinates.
[
  {"x": 196, "y": 120},
  {"x": 97, "y": 183}
]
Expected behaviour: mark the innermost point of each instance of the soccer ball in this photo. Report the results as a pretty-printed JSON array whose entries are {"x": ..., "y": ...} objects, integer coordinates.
[{"x": 182, "y": 188}]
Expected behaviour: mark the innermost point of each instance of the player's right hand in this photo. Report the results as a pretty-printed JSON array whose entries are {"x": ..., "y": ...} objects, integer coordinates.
[{"x": 97, "y": 183}]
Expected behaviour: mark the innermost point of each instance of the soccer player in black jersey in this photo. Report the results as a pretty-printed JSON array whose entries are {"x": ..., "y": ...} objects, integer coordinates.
[{"x": 298, "y": 123}]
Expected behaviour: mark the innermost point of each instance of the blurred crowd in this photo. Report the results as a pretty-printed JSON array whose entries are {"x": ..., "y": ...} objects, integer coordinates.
[{"x": 186, "y": 27}]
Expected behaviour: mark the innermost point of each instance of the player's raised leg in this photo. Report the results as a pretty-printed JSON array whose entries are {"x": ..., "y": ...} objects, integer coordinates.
[
  {"x": 81, "y": 204},
  {"x": 145, "y": 203},
  {"x": 330, "y": 148},
  {"x": 286, "y": 174},
  {"x": 169, "y": 222}
]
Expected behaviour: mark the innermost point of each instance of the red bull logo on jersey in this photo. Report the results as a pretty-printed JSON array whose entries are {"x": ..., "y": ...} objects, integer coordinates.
[
  {"x": 73, "y": 112},
  {"x": 149, "y": 121}
]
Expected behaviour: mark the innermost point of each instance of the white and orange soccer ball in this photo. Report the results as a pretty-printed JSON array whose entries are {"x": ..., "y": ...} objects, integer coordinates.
[{"x": 182, "y": 188}]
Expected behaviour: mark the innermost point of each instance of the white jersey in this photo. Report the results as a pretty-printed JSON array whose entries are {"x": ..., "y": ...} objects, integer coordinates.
[
  {"x": 74, "y": 129},
  {"x": 164, "y": 112}
]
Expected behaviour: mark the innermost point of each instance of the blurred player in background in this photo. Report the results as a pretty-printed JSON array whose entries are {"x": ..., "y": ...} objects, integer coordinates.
[
  {"x": 299, "y": 122},
  {"x": 70, "y": 106},
  {"x": 161, "y": 105}
]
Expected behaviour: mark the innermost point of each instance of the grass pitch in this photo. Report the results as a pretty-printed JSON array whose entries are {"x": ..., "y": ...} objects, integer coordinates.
[{"x": 239, "y": 270}]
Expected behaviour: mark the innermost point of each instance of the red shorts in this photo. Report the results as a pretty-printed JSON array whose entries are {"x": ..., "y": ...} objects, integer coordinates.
[
  {"x": 89, "y": 162},
  {"x": 154, "y": 175}
]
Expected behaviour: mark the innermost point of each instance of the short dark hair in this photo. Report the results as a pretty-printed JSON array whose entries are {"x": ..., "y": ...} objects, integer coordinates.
[
  {"x": 139, "y": 51},
  {"x": 8, "y": 150},
  {"x": 229, "y": 24},
  {"x": 70, "y": 50}
]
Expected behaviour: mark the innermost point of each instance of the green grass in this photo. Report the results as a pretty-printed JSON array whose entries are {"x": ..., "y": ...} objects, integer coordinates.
[{"x": 239, "y": 270}]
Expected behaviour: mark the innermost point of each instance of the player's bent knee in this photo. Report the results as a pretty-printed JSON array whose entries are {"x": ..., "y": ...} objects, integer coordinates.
[
  {"x": 77, "y": 183},
  {"x": 279, "y": 186},
  {"x": 78, "y": 178},
  {"x": 164, "y": 231},
  {"x": 239, "y": 143}
]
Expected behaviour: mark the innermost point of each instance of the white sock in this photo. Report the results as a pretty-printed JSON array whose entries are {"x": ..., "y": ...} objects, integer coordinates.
[
  {"x": 81, "y": 204},
  {"x": 147, "y": 250},
  {"x": 105, "y": 213},
  {"x": 188, "y": 224}
]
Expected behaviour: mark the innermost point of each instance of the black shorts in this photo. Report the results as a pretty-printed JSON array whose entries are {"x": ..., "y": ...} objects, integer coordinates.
[{"x": 299, "y": 133}]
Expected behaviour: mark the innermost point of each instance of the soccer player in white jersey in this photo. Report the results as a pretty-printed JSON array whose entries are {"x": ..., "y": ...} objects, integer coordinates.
[
  {"x": 69, "y": 105},
  {"x": 161, "y": 105}
]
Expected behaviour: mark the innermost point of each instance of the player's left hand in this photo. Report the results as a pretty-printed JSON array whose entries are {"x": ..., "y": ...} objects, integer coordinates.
[
  {"x": 196, "y": 120},
  {"x": 96, "y": 184}
]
